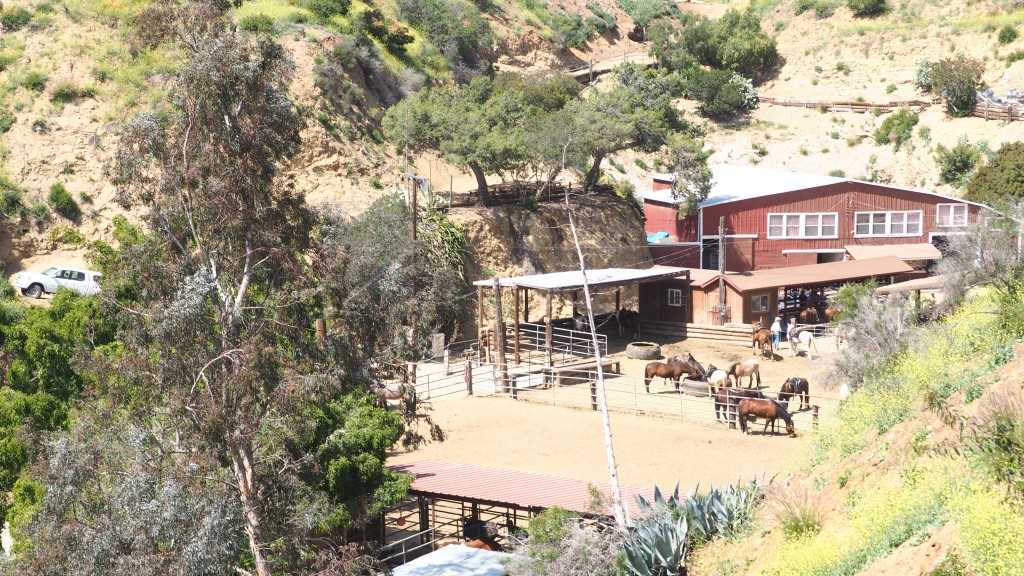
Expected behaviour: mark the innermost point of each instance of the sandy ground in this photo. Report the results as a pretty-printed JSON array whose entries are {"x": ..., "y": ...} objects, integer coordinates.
[{"x": 499, "y": 432}]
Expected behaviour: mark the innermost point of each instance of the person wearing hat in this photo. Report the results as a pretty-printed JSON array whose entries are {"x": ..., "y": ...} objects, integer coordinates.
[{"x": 776, "y": 330}]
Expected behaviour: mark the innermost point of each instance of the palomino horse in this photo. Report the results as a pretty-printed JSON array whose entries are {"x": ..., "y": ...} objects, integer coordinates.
[
  {"x": 749, "y": 368},
  {"x": 798, "y": 387},
  {"x": 761, "y": 338},
  {"x": 716, "y": 379},
  {"x": 805, "y": 337},
  {"x": 484, "y": 542},
  {"x": 385, "y": 392},
  {"x": 767, "y": 409},
  {"x": 672, "y": 370},
  {"x": 726, "y": 400}
]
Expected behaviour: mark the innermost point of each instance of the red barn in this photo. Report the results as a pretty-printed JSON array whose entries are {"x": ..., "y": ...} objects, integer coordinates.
[{"x": 777, "y": 219}]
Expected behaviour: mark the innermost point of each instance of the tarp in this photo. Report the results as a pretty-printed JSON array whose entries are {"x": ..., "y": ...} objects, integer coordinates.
[
  {"x": 923, "y": 251},
  {"x": 455, "y": 560}
]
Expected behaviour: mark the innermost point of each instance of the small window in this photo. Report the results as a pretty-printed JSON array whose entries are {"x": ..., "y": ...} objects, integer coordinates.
[
  {"x": 759, "y": 303},
  {"x": 675, "y": 297},
  {"x": 951, "y": 215}
]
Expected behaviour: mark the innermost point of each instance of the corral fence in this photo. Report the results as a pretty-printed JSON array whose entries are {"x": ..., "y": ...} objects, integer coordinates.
[
  {"x": 847, "y": 105},
  {"x": 992, "y": 111},
  {"x": 590, "y": 70}
]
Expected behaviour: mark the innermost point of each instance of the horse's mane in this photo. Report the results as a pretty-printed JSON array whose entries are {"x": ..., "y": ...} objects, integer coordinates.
[{"x": 782, "y": 413}]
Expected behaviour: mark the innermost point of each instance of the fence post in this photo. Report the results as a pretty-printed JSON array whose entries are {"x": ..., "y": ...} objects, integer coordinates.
[
  {"x": 469, "y": 376},
  {"x": 447, "y": 363},
  {"x": 814, "y": 417}
]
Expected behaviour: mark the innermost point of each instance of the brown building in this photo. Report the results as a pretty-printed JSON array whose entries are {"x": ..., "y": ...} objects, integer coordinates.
[{"x": 776, "y": 219}]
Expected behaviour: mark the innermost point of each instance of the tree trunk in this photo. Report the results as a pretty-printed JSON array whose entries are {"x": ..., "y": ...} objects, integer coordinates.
[
  {"x": 245, "y": 477},
  {"x": 481, "y": 184},
  {"x": 594, "y": 173}
]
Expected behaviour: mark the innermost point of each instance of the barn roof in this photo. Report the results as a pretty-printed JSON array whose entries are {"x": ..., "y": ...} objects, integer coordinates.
[
  {"x": 923, "y": 251},
  {"x": 809, "y": 275},
  {"x": 573, "y": 279},
  {"x": 731, "y": 183},
  {"x": 507, "y": 487},
  {"x": 928, "y": 283}
]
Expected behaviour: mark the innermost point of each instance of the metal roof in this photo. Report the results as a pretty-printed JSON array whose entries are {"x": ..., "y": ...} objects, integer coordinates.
[
  {"x": 809, "y": 275},
  {"x": 730, "y": 183},
  {"x": 928, "y": 283},
  {"x": 923, "y": 251},
  {"x": 507, "y": 487},
  {"x": 573, "y": 279},
  {"x": 455, "y": 560}
]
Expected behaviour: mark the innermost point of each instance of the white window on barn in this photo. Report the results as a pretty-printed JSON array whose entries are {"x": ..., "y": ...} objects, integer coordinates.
[
  {"x": 759, "y": 303},
  {"x": 906, "y": 223},
  {"x": 803, "y": 225},
  {"x": 675, "y": 297},
  {"x": 951, "y": 215}
]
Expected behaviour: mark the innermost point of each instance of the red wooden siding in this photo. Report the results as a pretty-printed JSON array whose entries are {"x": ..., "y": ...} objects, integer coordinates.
[
  {"x": 659, "y": 217},
  {"x": 674, "y": 255},
  {"x": 846, "y": 198},
  {"x": 654, "y": 302}
]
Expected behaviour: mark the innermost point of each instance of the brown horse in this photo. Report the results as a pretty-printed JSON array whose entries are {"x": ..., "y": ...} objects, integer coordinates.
[
  {"x": 484, "y": 542},
  {"x": 761, "y": 338},
  {"x": 767, "y": 409},
  {"x": 799, "y": 387},
  {"x": 814, "y": 316},
  {"x": 672, "y": 370},
  {"x": 749, "y": 368},
  {"x": 726, "y": 400}
]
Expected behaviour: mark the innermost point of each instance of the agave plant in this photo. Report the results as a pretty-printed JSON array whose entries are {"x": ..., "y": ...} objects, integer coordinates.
[{"x": 657, "y": 546}]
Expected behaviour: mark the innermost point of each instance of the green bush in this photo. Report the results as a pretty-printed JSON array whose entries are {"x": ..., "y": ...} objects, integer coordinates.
[
  {"x": 643, "y": 12},
  {"x": 35, "y": 80},
  {"x": 837, "y": 173},
  {"x": 1007, "y": 34},
  {"x": 897, "y": 129},
  {"x": 14, "y": 18},
  {"x": 6, "y": 121},
  {"x": 324, "y": 9},
  {"x": 733, "y": 42},
  {"x": 957, "y": 164},
  {"x": 63, "y": 203},
  {"x": 393, "y": 36},
  {"x": 66, "y": 91},
  {"x": 822, "y": 8},
  {"x": 11, "y": 203},
  {"x": 602, "y": 21},
  {"x": 457, "y": 28},
  {"x": 955, "y": 80},
  {"x": 39, "y": 210},
  {"x": 569, "y": 30},
  {"x": 1001, "y": 178},
  {"x": 867, "y": 8},
  {"x": 1014, "y": 56},
  {"x": 721, "y": 92},
  {"x": 376, "y": 183},
  {"x": 66, "y": 235},
  {"x": 258, "y": 23}
]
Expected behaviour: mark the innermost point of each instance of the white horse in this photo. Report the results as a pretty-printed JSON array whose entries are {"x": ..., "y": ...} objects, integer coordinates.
[
  {"x": 716, "y": 379},
  {"x": 805, "y": 337}
]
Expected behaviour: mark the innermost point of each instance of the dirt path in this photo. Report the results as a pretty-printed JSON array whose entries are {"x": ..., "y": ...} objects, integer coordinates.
[{"x": 498, "y": 432}]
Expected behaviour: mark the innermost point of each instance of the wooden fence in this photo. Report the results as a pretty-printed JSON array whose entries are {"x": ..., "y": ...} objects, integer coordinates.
[
  {"x": 992, "y": 111},
  {"x": 846, "y": 105}
]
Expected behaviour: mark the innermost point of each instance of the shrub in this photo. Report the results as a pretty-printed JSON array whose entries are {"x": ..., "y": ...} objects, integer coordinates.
[
  {"x": 6, "y": 121},
  {"x": 375, "y": 182},
  {"x": 1007, "y": 34},
  {"x": 955, "y": 80},
  {"x": 890, "y": 88},
  {"x": 35, "y": 80},
  {"x": 457, "y": 28},
  {"x": 65, "y": 91},
  {"x": 11, "y": 203},
  {"x": 721, "y": 92},
  {"x": 607, "y": 21},
  {"x": 1001, "y": 178},
  {"x": 867, "y": 8},
  {"x": 897, "y": 129},
  {"x": 14, "y": 18},
  {"x": 733, "y": 42},
  {"x": 797, "y": 511},
  {"x": 956, "y": 164},
  {"x": 66, "y": 235},
  {"x": 39, "y": 210},
  {"x": 258, "y": 23},
  {"x": 837, "y": 173},
  {"x": 643, "y": 12},
  {"x": 394, "y": 37},
  {"x": 569, "y": 31},
  {"x": 324, "y": 9},
  {"x": 63, "y": 203},
  {"x": 1014, "y": 56}
]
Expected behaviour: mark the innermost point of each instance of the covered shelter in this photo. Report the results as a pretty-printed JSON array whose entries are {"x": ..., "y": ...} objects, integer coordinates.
[
  {"x": 550, "y": 285},
  {"x": 918, "y": 256},
  {"x": 752, "y": 296}
]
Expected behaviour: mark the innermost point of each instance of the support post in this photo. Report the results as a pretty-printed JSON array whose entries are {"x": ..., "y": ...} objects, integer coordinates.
[
  {"x": 321, "y": 333},
  {"x": 814, "y": 415},
  {"x": 447, "y": 363},
  {"x": 499, "y": 334},
  {"x": 526, "y": 305},
  {"x": 468, "y": 377},
  {"x": 618, "y": 298},
  {"x": 515, "y": 325},
  {"x": 575, "y": 296},
  {"x": 547, "y": 332},
  {"x": 721, "y": 271},
  {"x": 480, "y": 317}
]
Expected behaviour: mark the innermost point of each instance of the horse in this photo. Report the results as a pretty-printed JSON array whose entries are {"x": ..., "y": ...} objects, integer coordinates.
[
  {"x": 716, "y": 379},
  {"x": 805, "y": 337},
  {"x": 484, "y": 542},
  {"x": 385, "y": 392},
  {"x": 816, "y": 316},
  {"x": 796, "y": 386},
  {"x": 767, "y": 409},
  {"x": 749, "y": 368},
  {"x": 761, "y": 338},
  {"x": 580, "y": 323},
  {"x": 672, "y": 370},
  {"x": 726, "y": 399},
  {"x": 628, "y": 321}
]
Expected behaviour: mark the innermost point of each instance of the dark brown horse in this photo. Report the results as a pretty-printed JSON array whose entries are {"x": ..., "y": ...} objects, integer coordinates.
[
  {"x": 672, "y": 370},
  {"x": 814, "y": 316},
  {"x": 727, "y": 398},
  {"x": 799, "y": 387},
  {"x": 767, "y": 409},
  {"x": 761, "y": 338}
]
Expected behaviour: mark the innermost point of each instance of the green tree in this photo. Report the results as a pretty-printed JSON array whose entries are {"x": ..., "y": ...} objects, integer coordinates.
[
  {"x": 692, "y": 175},
  {"x": 733, "y": 42},
  {"x": 955, "y": 80},
  {"x": 957, "y": 164},
  {"x": 1001, "y": 179},
  {"x": 720, "y": 92}
]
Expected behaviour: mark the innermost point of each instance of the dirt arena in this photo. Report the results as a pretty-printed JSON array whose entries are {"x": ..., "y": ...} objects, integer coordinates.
[{"x": 527, "y": 435}]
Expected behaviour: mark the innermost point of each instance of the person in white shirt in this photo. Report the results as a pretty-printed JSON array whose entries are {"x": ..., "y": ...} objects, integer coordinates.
[{"x": 776, "y": 330}]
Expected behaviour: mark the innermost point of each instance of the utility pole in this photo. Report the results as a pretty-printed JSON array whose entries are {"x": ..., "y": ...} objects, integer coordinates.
[{"x": 721, "y": 270}]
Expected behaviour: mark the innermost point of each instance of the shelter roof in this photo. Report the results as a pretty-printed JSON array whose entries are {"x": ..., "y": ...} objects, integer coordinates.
[
  {"x": 455, "y": 560},
  {"x": 507, "y": 487},
  {"x": 809, "y": 275},
  {"x": 927, "y": 283},
  {"x": 573, "y": 279},
  {"x": 923, "y": 251},
  {"x": 730, "y": 183}
]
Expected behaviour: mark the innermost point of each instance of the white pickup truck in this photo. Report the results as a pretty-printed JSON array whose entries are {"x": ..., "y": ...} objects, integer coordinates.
[{"x": 33, "y": 284}]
